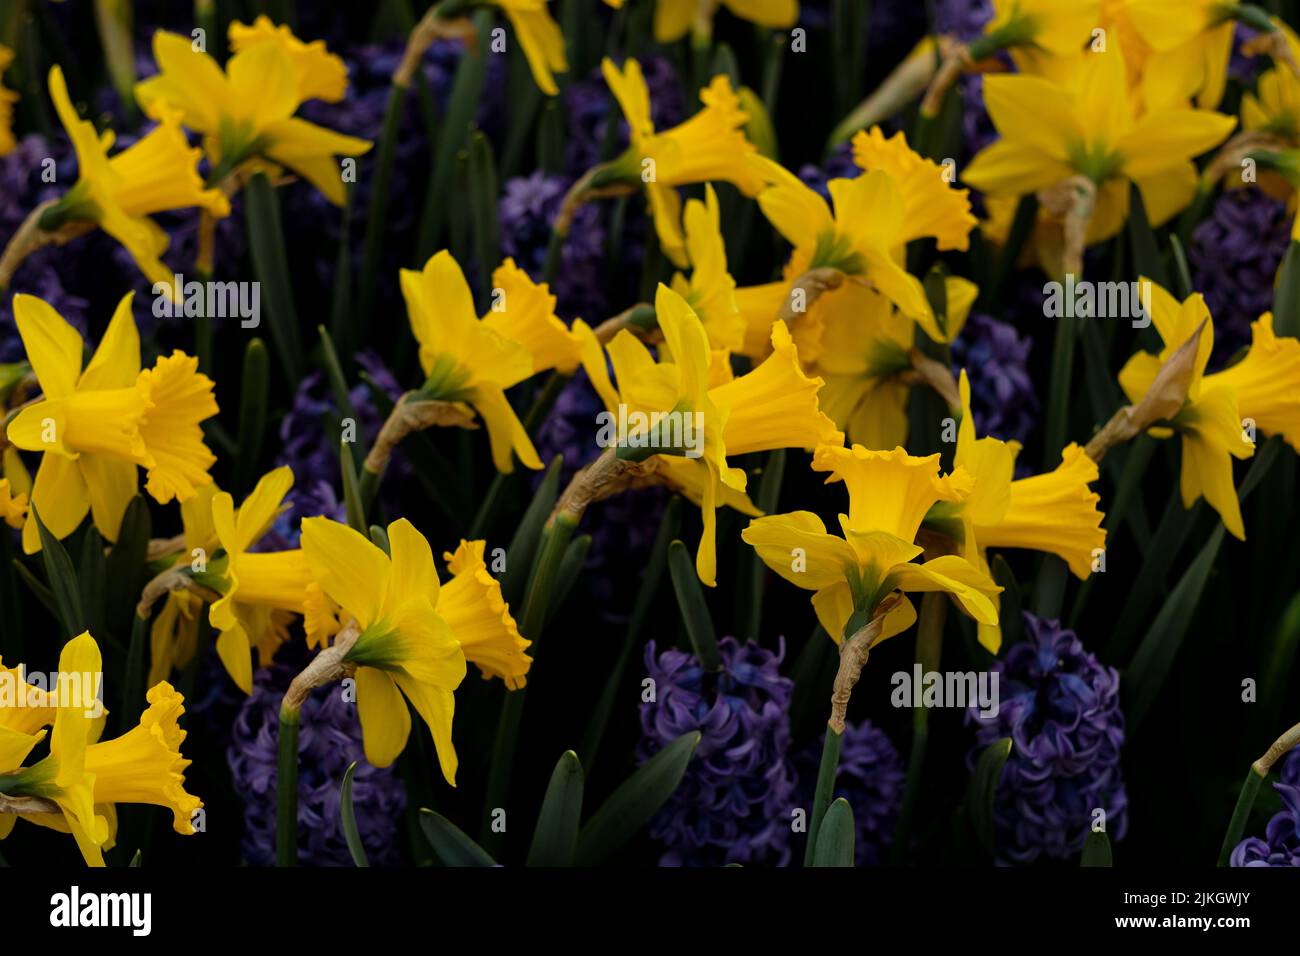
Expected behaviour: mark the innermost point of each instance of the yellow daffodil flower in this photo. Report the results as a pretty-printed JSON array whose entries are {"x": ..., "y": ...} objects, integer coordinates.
[
  {"x": 24, "y": 710},
  {"x": 773, "y": 406},
  {"x": 1210, "y": 422},
  {"x": 405, "y": 646},
  {"x": 675, "y": 18},
  {"x": 479, "y": 618},
  {"x": 246, "y": 113},
  {"x": 96, "y": 425},
  {"x": 62, "y": 777},
  {"x": 465, "y": 359},
  {"x": 85, "y": 777},
  {"x": 120, "y": 193},
  {"x": 932, "y": 205},
  {"x": 524, "y": 312},
  {"x": 13, "y": 505},
  {"x": 261, "y": 591},
  {"x": 1267, "y": 382},
  {"x": 711, "y": 145},
  {"x": 321, "y": 74},
  {"x": 145, "y": 764},
  {"x": 866, "y": 345},
  {"x": 7, "y": 100},
  {"x": 1274, "y": 106},
  {"x": 1039, "y": 33},
  {"x": 889, "y": 495},
  {"x": 1191, "y": 42},
  {"x": 1084, "y": 125},
  {"x": 539, "y": 37},
  {"x": 859, "y": 239},
  {"x": 1055, "y": 513},
  {"x": 710, "y": 290},
  {"x": 174, "y": 633}
]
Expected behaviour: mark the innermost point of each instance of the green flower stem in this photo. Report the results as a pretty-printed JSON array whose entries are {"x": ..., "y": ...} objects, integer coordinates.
[
  {"x": 769, "y": 491},
  {"x": 650, "y": 581},
  {"x": 327, "y": 666},
  {"x": 929, "y": 647},
  {"x": 1240, "y": 814},
  {"x": 1060, "y": 395},
  {"x": 1255, "y": 778},
  {"x": 541, "y": 407},
  {"x": 286, "y": 790},
  {"x": 826, "y": 771},
  {"x": 555, "y": 540}
]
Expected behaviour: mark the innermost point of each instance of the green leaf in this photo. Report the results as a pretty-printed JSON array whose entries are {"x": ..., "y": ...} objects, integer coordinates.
[
  {"x": 556, "y": 838},
  {"x": 137, "y": 860},
  {"x": 348, "y": 815},
  {"x": 271, "y": 264},
  {"x": 769, "y": 490},
  {"x": 694, "y": 610},
  {"x": 1155, "y": 655},
  {"x": 125, "y": 565},
  {"x": 575, "y": 556},
  {"x": 62, "y": 580},
  {"x": 1240, "y": 814},
  {"x": 377, "y": 216},
  {"x": 651, "y": 578},
  {"x": 133, "y": 681},
  {"x": 983, "y": 790},
  {"x": 91, "y": 578},
  {"x": 632, "y": 805},
  {"x": 1286, "y": 297},
  {"x": 523, "y": 546},
  {"x": 252, "y": 413},
  {"x": 835, "y": 841},
  {"x": 351, "y": 494},
  {"x": 1146, "y": 253},
  {"x": 1280, "y": 653},
  {"x": 1096, "y": 850},
  {"x": 462, "y": 106},
  {"x": 449, "y": 842},
  {"x": 483, "y": 210},
  {"x": 1011, "y": 610}
]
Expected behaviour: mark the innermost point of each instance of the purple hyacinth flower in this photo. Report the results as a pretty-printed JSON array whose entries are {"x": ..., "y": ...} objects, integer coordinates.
[
  {"x": 735, "y": 801},
  {"x": 839, "y": 165},
  {"x": 622, "y": 527},
  {"x": 591, "y": 107},
  {"x": 1060, "y": 707},
  {"x": 312, "y": 452},
  {"x": 870, "y": 777},
  {"x": 330, "y": 740},
  {"x": 996, "y": 359},
  {"x": 527, "y": 210},
  {"x": 1281, "y": 843},
  {"x": 1234, "y": 255}
]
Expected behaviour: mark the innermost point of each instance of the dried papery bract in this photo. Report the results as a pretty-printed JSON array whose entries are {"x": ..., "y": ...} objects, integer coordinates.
[
  {"x": 853, "y": 657},
  {"x": 413, "y": 414},
  {"x": 1073, "y": 200},
  {"x": 1161, "y": 402}
]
